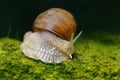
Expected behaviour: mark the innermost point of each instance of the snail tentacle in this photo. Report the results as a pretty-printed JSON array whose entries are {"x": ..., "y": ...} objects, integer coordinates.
[{"x": 79, "y": 34}]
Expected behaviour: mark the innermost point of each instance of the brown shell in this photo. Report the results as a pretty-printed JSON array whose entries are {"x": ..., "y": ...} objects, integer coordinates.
[{"x": 56, "y": 20}]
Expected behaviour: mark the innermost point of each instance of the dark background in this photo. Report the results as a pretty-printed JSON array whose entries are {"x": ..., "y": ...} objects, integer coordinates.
[{"x": 16, "y": 17}]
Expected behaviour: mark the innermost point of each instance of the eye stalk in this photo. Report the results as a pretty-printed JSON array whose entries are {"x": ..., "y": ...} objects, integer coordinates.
[{"x": 74, "y": 40}]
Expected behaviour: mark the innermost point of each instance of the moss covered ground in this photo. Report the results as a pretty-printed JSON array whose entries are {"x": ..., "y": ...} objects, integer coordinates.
[{"x": 96, "y": 57}]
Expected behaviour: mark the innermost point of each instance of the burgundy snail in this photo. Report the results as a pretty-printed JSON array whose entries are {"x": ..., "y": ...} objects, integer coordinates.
[{"x": 52, "y": 38}]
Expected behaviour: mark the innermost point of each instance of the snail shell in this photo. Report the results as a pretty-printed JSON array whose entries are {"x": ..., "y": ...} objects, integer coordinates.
[
  {"x": 46, "y": 46},
  {"x": 56, "y": 20}
]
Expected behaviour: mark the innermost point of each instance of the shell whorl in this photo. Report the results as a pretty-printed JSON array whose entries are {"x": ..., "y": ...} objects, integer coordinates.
[
  {"x": 46, "y": 46},
  {"x": 56, "y": 20}
]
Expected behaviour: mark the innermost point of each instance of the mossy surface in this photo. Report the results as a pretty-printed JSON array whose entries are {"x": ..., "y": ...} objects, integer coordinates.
[{"x": 96, "y": 57}]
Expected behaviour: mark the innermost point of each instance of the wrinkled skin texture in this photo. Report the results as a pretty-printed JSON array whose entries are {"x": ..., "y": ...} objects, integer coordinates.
[{"x": 46, "y": 46}]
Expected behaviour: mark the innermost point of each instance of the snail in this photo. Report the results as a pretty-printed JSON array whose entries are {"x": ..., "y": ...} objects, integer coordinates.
[{"x": 52, "y": 38}]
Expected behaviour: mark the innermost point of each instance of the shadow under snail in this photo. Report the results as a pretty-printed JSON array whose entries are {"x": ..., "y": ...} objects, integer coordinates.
[{"x": 52, "y": 38}]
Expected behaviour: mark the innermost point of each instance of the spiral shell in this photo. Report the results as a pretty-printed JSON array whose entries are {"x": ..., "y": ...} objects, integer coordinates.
[
  {"x": 46, "y": 46},
  {"x": 56, "y": 20}
]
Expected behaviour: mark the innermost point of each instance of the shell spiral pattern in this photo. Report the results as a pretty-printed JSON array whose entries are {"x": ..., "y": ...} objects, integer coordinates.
[{"x": 56, "y": 20}]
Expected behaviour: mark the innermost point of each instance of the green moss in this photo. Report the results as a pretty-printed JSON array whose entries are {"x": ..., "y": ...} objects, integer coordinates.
[{"x": 97, "y": 57}]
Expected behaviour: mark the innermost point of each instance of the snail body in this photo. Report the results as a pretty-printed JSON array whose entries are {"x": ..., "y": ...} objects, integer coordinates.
[
  {"x": 46, "y": 47},
  {"x": 52, "y": 40}
]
